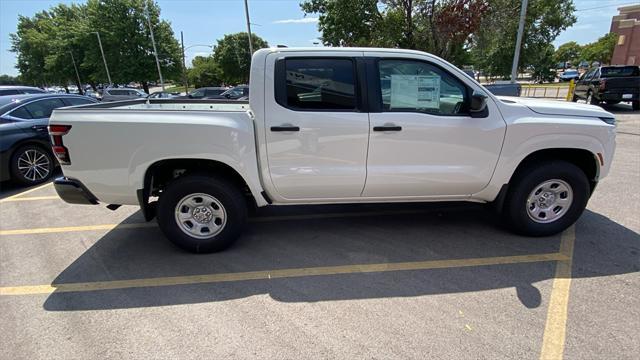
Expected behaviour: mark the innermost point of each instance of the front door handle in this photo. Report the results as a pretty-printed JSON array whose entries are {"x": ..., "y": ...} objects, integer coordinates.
[
  {"x": 285, "y": 127},
  {"x": 387, "y": 127}
]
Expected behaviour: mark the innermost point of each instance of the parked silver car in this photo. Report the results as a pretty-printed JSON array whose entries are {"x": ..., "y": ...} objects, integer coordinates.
[
  {"x": 19, "y": 90},
  {"x": 117, "y": 94}
]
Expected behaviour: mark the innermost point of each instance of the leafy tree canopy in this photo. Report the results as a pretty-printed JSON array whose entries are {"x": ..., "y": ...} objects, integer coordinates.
[
  {"x": 441, "y": 27},
  {"x": 568, "y": 52},
  {"x": 232, "y": 56},
  {"x": 44, "y": 43},
  {"x": 600, "y": 50}
]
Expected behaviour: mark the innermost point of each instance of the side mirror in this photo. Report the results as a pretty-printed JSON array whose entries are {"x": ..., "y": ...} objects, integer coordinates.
[
  {"x": 478, "y": 104},
  {"x": 227, "y": 95}
]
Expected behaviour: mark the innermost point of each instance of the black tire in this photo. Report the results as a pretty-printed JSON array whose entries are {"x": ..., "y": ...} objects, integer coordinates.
[
  {"x": 515, "y": 210},
  {"x": 574, "y": 98},
  {"x": 592, "y": 99},
  {"x": 612, "y": 102},
  {"x": 228, "y": 195},
  {"x": 635, "y": 105},
  {"x": 31, "y": 176}
]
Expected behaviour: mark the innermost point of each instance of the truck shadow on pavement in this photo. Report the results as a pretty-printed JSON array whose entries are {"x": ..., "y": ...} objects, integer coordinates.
[{"x": 416, "y": 232}]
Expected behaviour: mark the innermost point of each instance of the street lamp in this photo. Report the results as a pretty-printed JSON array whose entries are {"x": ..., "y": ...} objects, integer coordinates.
[
  {"x": 184, "y": 65},
  {"x": 103, "y": 58}
]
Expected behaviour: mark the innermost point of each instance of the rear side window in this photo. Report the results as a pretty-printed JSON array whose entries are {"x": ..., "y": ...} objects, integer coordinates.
[
  {"x": 33, "y": 91},
  {"x": 620, "y": 71},
  {"x": 43, "y": 108},
  {"x": 10, "y": 92},
  {"x": 77, "y": 101},
  {"x": 21, "y": 113},
  {"x": 317, "y": 84}
]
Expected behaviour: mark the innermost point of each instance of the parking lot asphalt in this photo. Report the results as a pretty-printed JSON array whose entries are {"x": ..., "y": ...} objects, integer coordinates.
[{"x": 356, "y": 281}]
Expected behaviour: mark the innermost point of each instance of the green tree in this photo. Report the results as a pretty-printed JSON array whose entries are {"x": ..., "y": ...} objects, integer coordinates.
[
  {"x": 10, "y": 80},
  {"x": 493, "y": 44},
  {"x": 44, "y": 43},
  {"x": 126, "y": 40},
  {"x": 204, "y": 71},
  {"x": 600, "y": 50},
  {"x": 441, "y": 27},
  {"x": 232, "y": 56},
  {"x": 568, "y": 52}
]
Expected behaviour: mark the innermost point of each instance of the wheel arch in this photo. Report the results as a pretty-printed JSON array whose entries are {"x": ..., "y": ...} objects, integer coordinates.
[
  {"x": 584, "y": 159},
  {"x": 162, "y": 172}
]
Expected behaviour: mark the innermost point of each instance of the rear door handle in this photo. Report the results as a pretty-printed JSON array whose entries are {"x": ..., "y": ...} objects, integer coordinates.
[
  {"x": 387, "y": 127},
  {"x": 285, "y": 127}
]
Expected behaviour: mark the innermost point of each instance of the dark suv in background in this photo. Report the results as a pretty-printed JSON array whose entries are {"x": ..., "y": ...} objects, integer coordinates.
[
  {"x": 25, "y": 148},
  {"x": 610, "y": 84}
]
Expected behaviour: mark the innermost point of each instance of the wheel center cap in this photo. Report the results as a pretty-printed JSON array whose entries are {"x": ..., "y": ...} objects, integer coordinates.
[{"x": 203, "y": 214}]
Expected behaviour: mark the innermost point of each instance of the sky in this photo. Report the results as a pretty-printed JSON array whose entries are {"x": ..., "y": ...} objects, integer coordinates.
[{"x": 276, "y": 21}]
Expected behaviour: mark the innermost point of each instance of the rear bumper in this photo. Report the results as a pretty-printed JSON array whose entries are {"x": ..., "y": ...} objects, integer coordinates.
[
  {"x": 73, "y": 191},
  {"x": 617, "y": 96}
]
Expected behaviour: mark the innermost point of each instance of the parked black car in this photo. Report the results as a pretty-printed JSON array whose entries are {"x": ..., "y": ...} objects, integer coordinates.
[
  {"x": 202, "y": 93},
  {"x": 610, "y": 84},
  {"x": 234, "y": 93},
  {"x": 25, "y": 149},
  {"x": 17, "y": 90}
]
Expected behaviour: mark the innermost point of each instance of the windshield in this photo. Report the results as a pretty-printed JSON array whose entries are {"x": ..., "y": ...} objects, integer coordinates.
[
  {"x": 570, "y": 72},
  {"x": 620, "y": 71}
]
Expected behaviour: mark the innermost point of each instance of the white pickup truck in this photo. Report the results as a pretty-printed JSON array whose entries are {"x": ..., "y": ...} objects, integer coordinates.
[{"x": 335, "y": 125}]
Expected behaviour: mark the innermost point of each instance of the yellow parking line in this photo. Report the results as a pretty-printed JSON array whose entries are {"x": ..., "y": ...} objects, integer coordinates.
[
  {"x": 31, "y": 198},
  {"x": 65, "y": 229},
  {"x": 555, "y": 328},
  {"x": 275, "y": 274},
  {"x": 25, "y": 192}
]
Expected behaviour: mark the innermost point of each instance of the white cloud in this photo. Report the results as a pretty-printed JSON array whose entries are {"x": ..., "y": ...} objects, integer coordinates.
[{"x": 306, "y": 20}]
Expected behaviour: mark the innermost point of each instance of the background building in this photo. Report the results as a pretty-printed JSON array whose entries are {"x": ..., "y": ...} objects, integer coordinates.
[{"x": 627, "y": 25}]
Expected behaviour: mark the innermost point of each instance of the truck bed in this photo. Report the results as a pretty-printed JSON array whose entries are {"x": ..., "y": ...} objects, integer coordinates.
[
  {"x": 172, "y": 104},
  {"x": 112, "y": 145}
]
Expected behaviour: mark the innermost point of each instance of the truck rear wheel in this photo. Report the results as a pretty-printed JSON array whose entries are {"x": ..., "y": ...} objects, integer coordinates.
[
  {"x": 202, "y": 214},
  {"x": 635, "y": 105},
  {"x": 546, "y": 198}
]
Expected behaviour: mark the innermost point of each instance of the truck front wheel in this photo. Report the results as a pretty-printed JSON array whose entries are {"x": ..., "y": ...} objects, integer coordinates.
[
  {"x": 202, "y": 214},
  {"x": 546, "y": 198}
]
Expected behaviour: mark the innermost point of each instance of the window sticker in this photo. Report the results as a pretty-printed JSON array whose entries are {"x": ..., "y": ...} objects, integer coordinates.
[{"x": 415, "y": 92}]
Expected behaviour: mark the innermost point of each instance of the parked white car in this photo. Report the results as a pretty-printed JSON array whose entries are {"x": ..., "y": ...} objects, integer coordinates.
[{"x": 344, "y": 125}]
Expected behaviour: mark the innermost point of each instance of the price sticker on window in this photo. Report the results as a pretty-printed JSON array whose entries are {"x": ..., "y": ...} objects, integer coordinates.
[{"x": 415, "y": 92}]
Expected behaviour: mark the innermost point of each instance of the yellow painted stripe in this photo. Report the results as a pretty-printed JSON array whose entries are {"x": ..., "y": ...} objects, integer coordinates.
[
  {"x": 555, "y": 328},
  {"x": 25, "y": 192},
  {"x": 276, "y": 274},
  {"x": 65, "y": 229},
  {"x": 31, "y": 198}
]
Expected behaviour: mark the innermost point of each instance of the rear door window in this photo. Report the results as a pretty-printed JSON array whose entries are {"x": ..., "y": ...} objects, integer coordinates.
[
  {"x": 77, "y": 101},
  {"x": 43, "y": 108},
  {"x": 21, "y": 113},
  {"x": 10, "y": 92},
  {"x": 318, "y": 84}
]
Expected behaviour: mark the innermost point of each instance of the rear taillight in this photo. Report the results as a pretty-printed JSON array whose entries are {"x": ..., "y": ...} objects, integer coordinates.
[
  {"x": 603, "y": 84},
  {"x": 62, "y": 153}
]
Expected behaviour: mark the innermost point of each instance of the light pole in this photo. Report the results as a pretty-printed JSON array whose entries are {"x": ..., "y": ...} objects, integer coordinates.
[
  {"x": 186, "y": 88},
  {"x": 246, "y": 12},
  {"x": 103, "y": 58},
  {"x": 80, "y": 89},
  {"x": 184, "y": 66},
  {"x": 516, "y": 55},
  {"x": 153, "y": 41}
]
